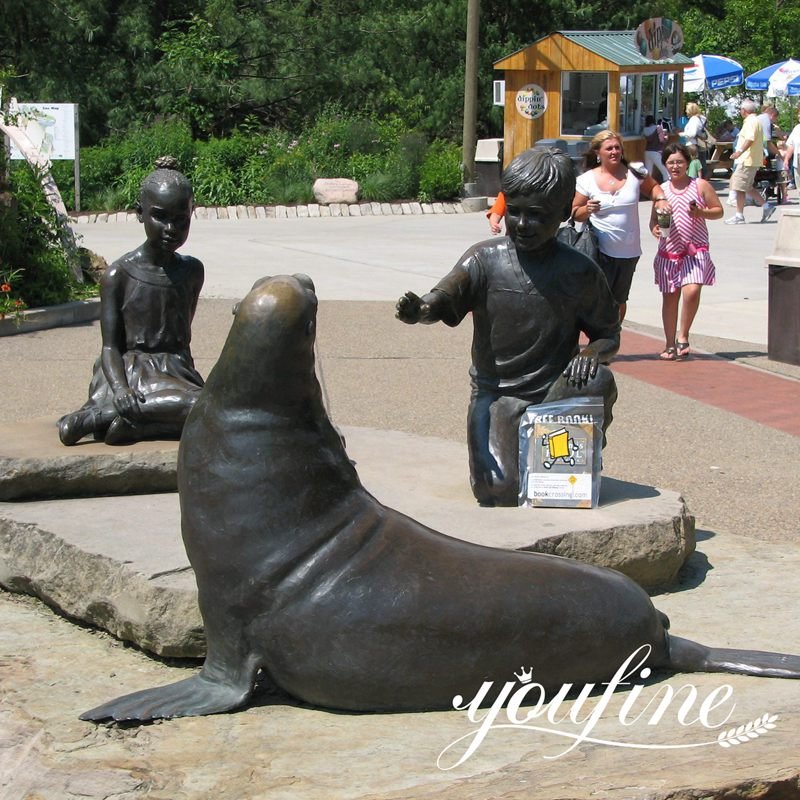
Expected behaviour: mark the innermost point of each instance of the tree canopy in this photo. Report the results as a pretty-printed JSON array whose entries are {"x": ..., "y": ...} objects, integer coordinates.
[{"x": 225, "y": 64}]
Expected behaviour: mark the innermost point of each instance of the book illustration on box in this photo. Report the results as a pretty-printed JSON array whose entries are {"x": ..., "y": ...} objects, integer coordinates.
[{"x": 560, "y": 447}]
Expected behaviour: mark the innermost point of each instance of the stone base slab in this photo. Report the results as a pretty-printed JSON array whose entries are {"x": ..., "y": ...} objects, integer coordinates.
[
  {"x": 34, "y": 465},
  {"x": 119, "y": 562}
]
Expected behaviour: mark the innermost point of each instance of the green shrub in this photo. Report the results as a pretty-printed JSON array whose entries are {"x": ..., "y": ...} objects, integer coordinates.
[
  {"x": 212, "y": 173},
  {"x": 360, "y": 165},
  {"x": 404, "y": 163},
  {"x": 63, "y": 173},
  {"x": 397, "y": 178},
  {"x": 138, "y": 150},
  {"x": 31, "y": 243},
  {"x": 362, "y": 135},
  {"x": 101, "y": 167},
  {"x": 231, "y": 152},
  {"x": 273, "y": 166},
  {"x": 716, "y": 116},
  {"x": 440, "y": 174},
  {"x": 392, "y": 130},
  {"x": 379, "y": 187},
  {"x": 112, "y": 199},
  {"x": 291, "y": 193},
  {"x": 254, "y": 179},
  {"x": 112, "y": 172},
  {"x": 787, "y": 114},
  {"x": 327, "y": 144},
  {"x": 289, "y": 178},
  {"x": 140, "y": 147},
  {"x": 214, "y": 184},
  {"x": 129, "y": 183}
]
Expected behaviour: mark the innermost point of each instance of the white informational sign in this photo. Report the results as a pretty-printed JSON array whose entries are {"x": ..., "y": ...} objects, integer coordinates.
[
  {"x": 50, "y": 128},
  {"x": 531, "y": 101}
]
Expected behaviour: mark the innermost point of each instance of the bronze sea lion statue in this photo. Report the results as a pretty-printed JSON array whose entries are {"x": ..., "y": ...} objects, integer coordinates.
[{"x": 344, "y": 603}]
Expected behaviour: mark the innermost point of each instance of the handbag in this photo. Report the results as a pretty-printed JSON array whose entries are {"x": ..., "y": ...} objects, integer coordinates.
[
  {"x": 584, "y": 240},
  {"x": 702, "y": 136}
]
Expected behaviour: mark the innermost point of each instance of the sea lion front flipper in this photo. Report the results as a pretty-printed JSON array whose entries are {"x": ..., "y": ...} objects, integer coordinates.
[{"x": 191, "y": 697}]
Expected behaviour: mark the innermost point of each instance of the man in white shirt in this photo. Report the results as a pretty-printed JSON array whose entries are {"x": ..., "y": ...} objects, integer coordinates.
[{"x": 768, "y": 119}]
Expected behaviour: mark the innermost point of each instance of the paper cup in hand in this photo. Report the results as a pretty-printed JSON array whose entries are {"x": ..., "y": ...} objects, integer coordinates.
[{"x": 664, "y": 220}]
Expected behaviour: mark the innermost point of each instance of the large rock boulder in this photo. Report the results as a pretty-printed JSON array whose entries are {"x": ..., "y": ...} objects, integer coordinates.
[{"x": 335, "y": 190}]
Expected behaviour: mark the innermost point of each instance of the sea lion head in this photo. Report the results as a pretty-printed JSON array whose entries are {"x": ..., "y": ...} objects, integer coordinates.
[{"x": 269, "y": 352}]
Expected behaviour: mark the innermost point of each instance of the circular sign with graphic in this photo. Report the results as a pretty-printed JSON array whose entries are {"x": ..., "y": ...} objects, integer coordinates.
[
  {"x": 658, "y": 38},
  {"x": 531, "y": 101}
]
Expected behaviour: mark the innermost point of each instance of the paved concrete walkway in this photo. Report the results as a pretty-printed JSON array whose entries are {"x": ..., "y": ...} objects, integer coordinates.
[{"x": 378, "y": 256}]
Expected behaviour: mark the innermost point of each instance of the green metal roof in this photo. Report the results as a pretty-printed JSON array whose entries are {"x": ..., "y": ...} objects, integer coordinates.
[
  {"x": 615, "y": 46},
  {"x": 618, "y": 47}
]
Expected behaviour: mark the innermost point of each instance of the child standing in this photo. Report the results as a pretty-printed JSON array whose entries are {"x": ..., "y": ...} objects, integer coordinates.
[
  {"x": 682, "y": 264},
  {"x": 145, "y": 382},
  {"x": 695, "y": 165}
]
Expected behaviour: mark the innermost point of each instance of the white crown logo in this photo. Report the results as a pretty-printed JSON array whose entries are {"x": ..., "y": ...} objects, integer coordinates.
[{"x": 524, "y": 677}]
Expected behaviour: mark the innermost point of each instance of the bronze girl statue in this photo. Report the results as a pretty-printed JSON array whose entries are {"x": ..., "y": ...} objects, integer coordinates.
[{"x": 145, "y": 382}]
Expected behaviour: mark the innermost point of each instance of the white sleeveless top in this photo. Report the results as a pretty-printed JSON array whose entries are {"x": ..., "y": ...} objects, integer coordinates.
[{"x": 617, "y": 221}]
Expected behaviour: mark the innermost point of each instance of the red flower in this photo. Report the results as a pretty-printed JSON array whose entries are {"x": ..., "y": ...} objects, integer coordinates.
[{"x": 5, "y": 288}]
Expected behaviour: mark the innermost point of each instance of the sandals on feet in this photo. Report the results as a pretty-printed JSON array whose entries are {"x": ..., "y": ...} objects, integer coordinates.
[
  {"x": 683, "y": 350},
  {"x": 670, "y": 354}
]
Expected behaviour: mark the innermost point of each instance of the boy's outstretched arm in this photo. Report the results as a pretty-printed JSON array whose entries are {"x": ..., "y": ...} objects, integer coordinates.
[{"x": 412, "y": 309}]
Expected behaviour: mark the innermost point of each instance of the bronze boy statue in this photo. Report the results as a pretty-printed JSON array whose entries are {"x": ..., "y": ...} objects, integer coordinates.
[
  {"x": 530, "y": 298},
  {"x": 144, "y": 382}
]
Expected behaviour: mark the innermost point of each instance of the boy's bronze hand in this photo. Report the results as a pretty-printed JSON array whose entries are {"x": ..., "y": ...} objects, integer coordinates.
[
  {"x": 411, "y": 308},
  {"x": 581, "y": 369}
]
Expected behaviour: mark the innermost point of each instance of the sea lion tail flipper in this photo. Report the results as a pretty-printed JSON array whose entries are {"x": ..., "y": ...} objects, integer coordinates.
[
  {"x": 191, "y": 697},
  {"x": 688, "y": 656}
]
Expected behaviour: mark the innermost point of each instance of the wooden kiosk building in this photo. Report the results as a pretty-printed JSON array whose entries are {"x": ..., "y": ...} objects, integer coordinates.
[{"x": 572, "y": 84}]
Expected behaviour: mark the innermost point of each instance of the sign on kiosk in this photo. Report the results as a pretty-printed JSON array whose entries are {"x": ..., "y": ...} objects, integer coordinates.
[
  {"x": 531, "y": 101},
  {"x": 658, "y": 38}
]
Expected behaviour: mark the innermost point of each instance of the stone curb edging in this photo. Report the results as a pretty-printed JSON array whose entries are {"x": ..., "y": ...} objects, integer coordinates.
[
  {"x": 39, "y": 319},
  {"x": 311, "y": 210}
]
